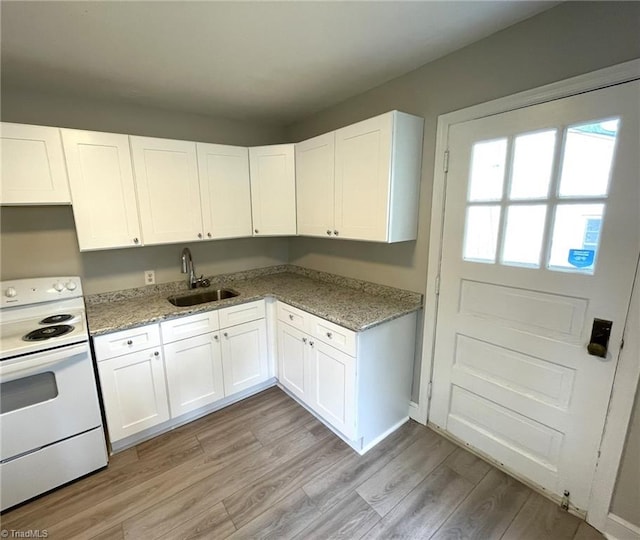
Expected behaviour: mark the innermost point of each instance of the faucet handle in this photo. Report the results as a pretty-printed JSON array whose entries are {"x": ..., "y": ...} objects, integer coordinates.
[{"x": 203, "y": 281}]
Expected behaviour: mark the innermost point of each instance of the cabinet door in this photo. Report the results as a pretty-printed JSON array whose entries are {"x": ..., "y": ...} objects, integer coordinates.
[
  {"x": 33, "y": 169},
  {"x": 315, "y": 185},
  {"x": 363, "y": 161},
  {"x": 332, "y": 390},
  {"x": 273, "y": 190},
  {"x": 292, "y": 361},
  {"x": 244, "y": 356},
  {"x": 166, "y": 173},
  {"x": 224, "y": 190},
  {"x": 194, "y": 373},
  {"x": 101, "y": 182},
  {"x": 134, "y": 393}
]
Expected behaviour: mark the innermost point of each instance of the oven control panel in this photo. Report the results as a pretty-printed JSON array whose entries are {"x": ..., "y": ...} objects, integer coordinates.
[{"x": 35, "y": 290}]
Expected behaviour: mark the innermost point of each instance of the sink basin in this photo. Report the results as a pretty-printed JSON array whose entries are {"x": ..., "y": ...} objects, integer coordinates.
[{"x": 193, "y": 299}]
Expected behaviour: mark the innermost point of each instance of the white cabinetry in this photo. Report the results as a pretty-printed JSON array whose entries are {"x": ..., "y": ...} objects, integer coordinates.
[
  {"x": 358, "y": 383},
  {"x": 225, "y": 190},
  {"x": 273, "y": 190},
  {"x": 373, "y": 175},
  {"x": 131, "y": 371},
  {"x": 102, "y": 189},
  {"x": 166, "y": 173},
  {"x": 33, "y": 168},
  {"x": 244, "y": 356}
]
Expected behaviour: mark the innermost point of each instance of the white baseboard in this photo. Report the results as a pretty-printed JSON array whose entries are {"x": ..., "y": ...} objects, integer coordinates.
[{"x": 617, "y": 528}]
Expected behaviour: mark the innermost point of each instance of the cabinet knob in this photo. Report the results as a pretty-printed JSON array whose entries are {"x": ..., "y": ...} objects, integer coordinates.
[
  {"x": 216, "y": 337},
  {"x": 199, "y": 235},
  {"x": 156, "y": 353},
  {"x": 335, "y": 232},
  {"x": 256, "y": 231},
  {"x": 328, "y": 232},
  {"x": 311, "y": 343},
  {"x": 136, "y": 241},
  {"x": 129, "y": 342},
  {"x": 290, "y": 316},
  {"x": 329, "y": 335},
  {"x": 304, "y": 340},
  {"x": 209, "y": 234},
  {"x": 225, "y": 334}
]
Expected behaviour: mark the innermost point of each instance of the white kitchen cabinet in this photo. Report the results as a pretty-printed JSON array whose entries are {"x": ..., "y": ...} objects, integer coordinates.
[
  {"x": 358, "y": 383},
  {"x": 244, "y": 355},
  {"x": 133, "y": 391},
  {"x": 33, "y": 168},
  {"x": 225, "y": 190},
  {"x": 273, "y": 190},
  {"x": 102, "y": 188},
  {"x": 168, "y": 190},
  {"x": 315, "y": 178},
  {"x": 373, "y": 175}
]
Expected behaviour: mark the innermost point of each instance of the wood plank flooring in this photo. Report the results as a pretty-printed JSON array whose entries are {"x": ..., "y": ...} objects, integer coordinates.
[{"x": 266, "y": 468}]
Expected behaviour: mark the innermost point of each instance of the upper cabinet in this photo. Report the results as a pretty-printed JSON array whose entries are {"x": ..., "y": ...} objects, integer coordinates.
[
  {"x": 225, "y": 191},
  {"x": 315, "y": 173},
  {"x": 166, "y": 174},
  {"x": 375, "y": 182},
  {"x": 102, "y": 189},
  {"x": 33, "y": 169},
  {"x": 273, "y": 190}
]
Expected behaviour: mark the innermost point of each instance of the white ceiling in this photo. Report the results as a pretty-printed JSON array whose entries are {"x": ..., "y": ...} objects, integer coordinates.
[{"x": 268, "y": 61}]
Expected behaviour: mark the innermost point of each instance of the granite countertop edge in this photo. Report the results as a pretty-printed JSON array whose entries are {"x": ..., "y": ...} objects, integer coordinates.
[{"x": 124, "y": 310}]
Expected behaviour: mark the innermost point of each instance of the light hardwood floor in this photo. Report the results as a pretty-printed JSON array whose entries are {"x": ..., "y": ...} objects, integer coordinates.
[{"x": 266, "y": 468}]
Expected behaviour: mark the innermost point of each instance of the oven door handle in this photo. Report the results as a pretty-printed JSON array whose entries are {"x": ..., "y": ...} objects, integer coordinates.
[{"x": 25, "y": 366}]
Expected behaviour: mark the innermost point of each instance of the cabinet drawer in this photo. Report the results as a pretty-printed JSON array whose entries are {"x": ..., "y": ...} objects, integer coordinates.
[
  {"x": 251, "y": 311},
  {"x": 293, "y": 316},
  {"x": 332, "y": 334},
  {"x": 193, "y": 325},
  {"x": 126, "y": 341}
]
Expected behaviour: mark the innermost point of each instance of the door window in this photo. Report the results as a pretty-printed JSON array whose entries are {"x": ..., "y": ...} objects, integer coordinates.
[{"x": 27, "y": 391}]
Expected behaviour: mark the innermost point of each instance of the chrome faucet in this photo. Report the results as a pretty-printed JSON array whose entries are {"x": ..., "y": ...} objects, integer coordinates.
[{"x": 189, "y": 268}]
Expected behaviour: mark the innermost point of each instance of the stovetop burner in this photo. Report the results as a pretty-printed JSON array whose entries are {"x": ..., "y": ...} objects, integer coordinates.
[
  {"x": 54, "y": 319},
  {"x": 49, "y": 332}
]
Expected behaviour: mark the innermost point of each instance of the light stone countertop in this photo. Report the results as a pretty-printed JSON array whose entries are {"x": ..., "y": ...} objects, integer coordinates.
[{"x": 353, "y": 304}]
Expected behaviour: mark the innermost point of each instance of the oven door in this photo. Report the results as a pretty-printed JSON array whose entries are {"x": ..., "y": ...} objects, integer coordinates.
[{"x": 46, "y": 397}]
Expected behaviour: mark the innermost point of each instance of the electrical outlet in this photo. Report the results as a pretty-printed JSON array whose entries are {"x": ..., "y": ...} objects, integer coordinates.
[{"x": 149, "y": 277}]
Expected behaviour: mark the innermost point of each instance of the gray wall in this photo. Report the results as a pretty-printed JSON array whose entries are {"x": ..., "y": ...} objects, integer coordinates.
[
  {"x": 31, "y": 235},
  {"x": 569, "y": 40}
]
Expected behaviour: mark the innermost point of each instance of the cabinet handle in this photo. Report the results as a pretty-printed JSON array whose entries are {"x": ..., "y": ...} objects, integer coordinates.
[
  {"x": 329, "y": 335},
  {"x": 225, "y": 335},
  {"x": 199, "y": 235},
  {"x": 255, "y": 231},
  {"x": 156, "y": 353},
  {"x": 135, "y": 240},
  {"x": 209, "y": 234},
  {"x": 290, "y": 316},
  {"x": 129, "y": 342},
  {"x": 329, "y": 232},
  {"x": 335, "y": 232}
]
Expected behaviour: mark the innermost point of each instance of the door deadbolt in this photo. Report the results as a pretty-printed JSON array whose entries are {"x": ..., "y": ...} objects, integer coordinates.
[{"x": 600, "y": 333}]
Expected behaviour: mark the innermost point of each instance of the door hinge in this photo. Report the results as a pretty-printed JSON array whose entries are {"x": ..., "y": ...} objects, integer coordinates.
[
  {"x": 622, "y": 344},
  {"x": 565, "y": 500},
  {"x": 445, "y": 164},
  {"x": 429, "y": 389},
  {"x": 437, "y": 285}
]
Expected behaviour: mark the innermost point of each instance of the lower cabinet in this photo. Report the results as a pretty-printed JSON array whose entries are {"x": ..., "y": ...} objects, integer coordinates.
[
  {"x": 133, "y": 392},
  {"x": 244, "y": 356}
]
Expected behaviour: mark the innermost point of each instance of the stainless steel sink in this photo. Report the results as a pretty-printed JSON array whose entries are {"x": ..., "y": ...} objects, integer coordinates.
[{"x": 193, "y": 299}]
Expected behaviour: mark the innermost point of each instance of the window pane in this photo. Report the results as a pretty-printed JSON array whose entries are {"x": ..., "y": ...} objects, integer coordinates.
[
  {"x": 523, "y": 235},
  {"x": 587, "y": 159},
  {"x": 481, "y": 233},
  {"x": 487, "y": 170},
  {"x": 576, "y": 237},
  {"x": 532, "y": 162}
]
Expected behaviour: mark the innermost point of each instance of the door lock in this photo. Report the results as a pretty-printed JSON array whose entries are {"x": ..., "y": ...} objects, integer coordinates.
[{"x": 599, "y": 342}]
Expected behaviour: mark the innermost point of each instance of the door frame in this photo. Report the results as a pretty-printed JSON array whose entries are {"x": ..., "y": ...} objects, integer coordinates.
[{"x": 628, "y": 372}]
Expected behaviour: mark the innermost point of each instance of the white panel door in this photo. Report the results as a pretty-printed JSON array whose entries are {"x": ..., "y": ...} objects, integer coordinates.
[
  {"x": 293, "y": 370},
  {"x": 273, "y": 190},
  {"x": 244, "y": 356},
  {"x": 363, "y": 166},
  {"x": 541, "y": 237},
  {"x": 101, "y": 181},
  {"x": 33, "y": 169},
  {"x": 333, "y": 387},
  {"x": 194, "y": 373},
  {"x": 166, "y": 173},
  {"x": 225, "y": 190},
  {"x": 134, "y": 392},
  {"x": 315, "y": 174}
]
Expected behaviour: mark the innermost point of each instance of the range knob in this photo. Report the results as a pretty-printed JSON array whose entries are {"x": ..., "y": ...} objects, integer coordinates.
[
  {"x": 71, "y": 285},
  {"x": 58, "y": 286},
  {"x": 10, "y": 292}
]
